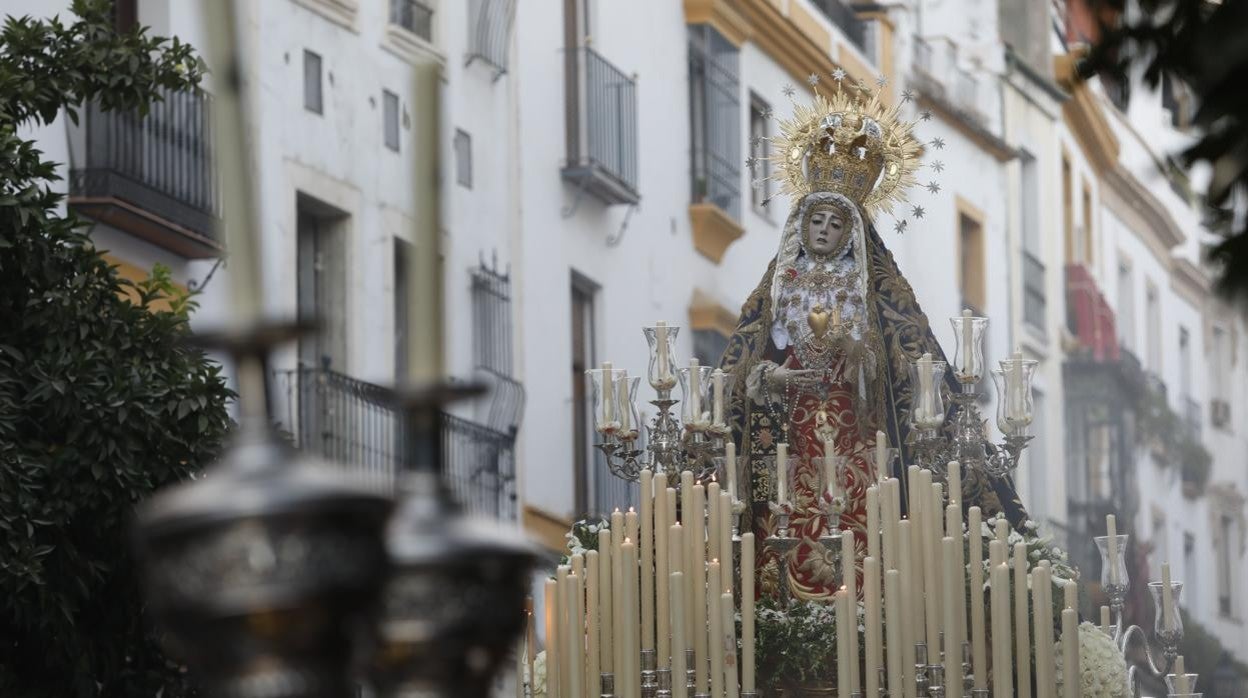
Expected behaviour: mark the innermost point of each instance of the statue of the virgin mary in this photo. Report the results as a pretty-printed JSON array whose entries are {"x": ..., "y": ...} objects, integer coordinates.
[{"x": 822, "y": 350}]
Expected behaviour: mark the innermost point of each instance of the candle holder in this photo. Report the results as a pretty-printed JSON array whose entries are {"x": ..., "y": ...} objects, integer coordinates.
[
  {"x": 732, "y": 482},
  {"x": 664, "y": 675},
  {"x": 1172, "y": 684},
  {"x": 673, "y": 445},
  {"x": 649, "y": 675},
  {"x": 691, "y": 672},
  {"x": 608, "y": 685},
  {"x": 920, "y": 668},
  {"x": 969, "y": 355},
  {"x": 1115, "y": 581}
]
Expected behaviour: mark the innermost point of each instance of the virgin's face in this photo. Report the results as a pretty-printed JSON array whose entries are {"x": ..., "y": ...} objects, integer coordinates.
[{"x": 824, "y": 231}]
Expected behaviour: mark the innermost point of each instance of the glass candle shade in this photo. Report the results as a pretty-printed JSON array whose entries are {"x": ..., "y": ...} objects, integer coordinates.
[
  {"x": 696, "y": 408},
  {"x": 927, "y": 407},
  {"x": 1171, "y": 635},
  {"x": 626, "y": 407},
  {"x": 998, "y": 382},
  {"x": 968, "y": 333},
  {"x": 1019, "y": 408},
  {"x": 719, "y": 407},
  {"x": 1172, "y": 684},
  {"x": 662, "y": 341},
  {"x": 606, "y": 405},
  {"x": 1114, "y": 577}
]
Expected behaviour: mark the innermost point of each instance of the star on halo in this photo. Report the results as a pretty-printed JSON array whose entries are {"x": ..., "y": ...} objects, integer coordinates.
[
  {"x": 838, "y": 74},
  {"x": 907, "y": 95},
  {"x": 767, "y": 114},
  {"x": 813, "y": 79},
  {"x": 788, "y": 90},
  {"x": 925, "y": 115},
  {"x": 938, "y": 166},
  {"x": 900, "y": 226},
  {"x": 933, "y": 187},
  {"x": 751, "y": 161},
  {"x": 881, "y": 81},
  {"x": 917, "y": 212},
  {"x": 938, "y": 143}
]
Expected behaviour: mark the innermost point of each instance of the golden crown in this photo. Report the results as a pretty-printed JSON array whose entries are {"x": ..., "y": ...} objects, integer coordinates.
[{"x": 850, "y": 143}]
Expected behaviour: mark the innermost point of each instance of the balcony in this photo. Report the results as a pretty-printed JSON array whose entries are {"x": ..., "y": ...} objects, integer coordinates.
[
  {"x": 601, "y": 121},
  {"x": 414, "y": 16},
  {"x": 150, "y": 176},
  {"x": 352, "y": 423},
  {"x": 1088, "y": 316},
  {"x": 845, "y": 19}
]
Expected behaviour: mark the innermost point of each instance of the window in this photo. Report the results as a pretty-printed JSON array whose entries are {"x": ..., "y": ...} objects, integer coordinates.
[
  {"x": 1153, "y": 320},
  {"x": 463, "y": 158},
  {"x": 1224, "y": 562},
  {"x": 1219, "y": 362},
  {"x": 1185, "y": 362},
  {"x": 1126, "y": 306},
  {"x": 313, "y": 99},
  {"x": 402, "y": 307},
  {"x": 1068, "y": 215},
  {"x": 390, "y": 119},
  {"x": 760, "y": 185},
  {"x": 321, "y": 283},
  {"x": 414, "y": 16},
  {"x": 971, "y": 262},
  {"x": 491, "y": 312},
  {"x": 1189, "y": 556},
  {"x": 709, "y": 345},
  {"x": 715, "y": 120},
  {"x": 125, "y": 15},
  {"x": 1033, "y": 267},
  {"x": 1161, "y": 543}
]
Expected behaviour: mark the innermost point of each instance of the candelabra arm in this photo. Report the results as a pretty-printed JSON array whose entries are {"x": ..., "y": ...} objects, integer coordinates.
[{"x": 1168, "y": 651}]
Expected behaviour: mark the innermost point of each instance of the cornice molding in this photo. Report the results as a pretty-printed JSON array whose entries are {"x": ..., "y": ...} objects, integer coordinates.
[
  {"x": 1084, "y": 117},
  {"x": 1189, "y": 281},
  {"x": 1142, "y": 211},
  {"x": 707, "y": 314},
  {"x": 546, "y": 528},
  {"x": 722, "y": 15}
]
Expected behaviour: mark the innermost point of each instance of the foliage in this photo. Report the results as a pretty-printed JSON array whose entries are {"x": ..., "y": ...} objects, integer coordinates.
[
  {"x": 1170, "y": 436},
  {"x": 583, "y": 538},
  {"x": 1204, "y": 46},
  {"x": 797, "y": 644},
  {"x": 100, "y": 401},
  {"x": 1202, "y": 652}
]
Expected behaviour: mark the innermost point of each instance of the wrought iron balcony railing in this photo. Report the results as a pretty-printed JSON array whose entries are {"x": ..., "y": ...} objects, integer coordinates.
[
  {"x": 350, "y": 422},
  {"x": 601, "y": 128},
  {"x": 151, "y": 176},
  {"x": 414, "y": 16}
]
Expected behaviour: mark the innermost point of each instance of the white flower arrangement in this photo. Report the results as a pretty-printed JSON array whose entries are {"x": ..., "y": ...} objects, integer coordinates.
[
  {"x": 1102, "y": 669},
  {"x": 537, "y": 684}
]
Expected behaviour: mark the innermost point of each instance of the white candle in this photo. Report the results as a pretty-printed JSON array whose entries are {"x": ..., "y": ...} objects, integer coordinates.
[
  {"x": 646, "y": 478},
  {"x": 873, "y": 526},
  {"x": 681, "y": 604},
  {"x": 1167, "y": 599},
  {"x": 618, "y": 600},
  {"x": 1070, "y": 653},
  {"x": 930, "y": 564},
  {"x": 676, "y": 586},
  {"x": 728, "y": 643},
  {"x": 881, "y": 456},
  {"x": 1002, "y": 676},
  {"x": 849, "y": 582},
  {"x": 730, "y": 463},
  {"x": 563, "y": 629},
  {"x": 606, "y": 601},
  {"x": 1001, "y": 529},
  {"x": 910, "y": 634},
  {"x": 714, "y": 513},
  {"x": 890, "y": 509},
  {"x": 968, "y": 344},
  {"x": 955, "y": 484},
  {"x": 717, "y": 389},
  {"x": 829, "y": 470},
  {"x": 632, "y": 651},
  {"x": 926, "y": 399},
  {"x": 1106, "y": 626},
  {"x": 697, "y": 536},
  {"x": 871, "y": 601},
  {"x": 608, "y": 394},
  {"x": 782, "y": 473},
  {"x": 1045, "y": 666},
  {"x": 626, "y": 403},
  {"x": 715, "y": 629},
  {"x": 845, "y": 620},
  {"x": 695, "y": 390},
  {"x": 551, "y": 609},
  {"x": 593, "y": 658},
  {"x": 576, "y": 635},
  {"x": 979, "y": 646},
  {"x": 1181, "y": 683},
  {"x": 660, "y": 346},
  {"x": 1019, "y": 395},
  {"x": 1022, "y": 645},
  {"x": 953, "y": 588},
  {"x": 953, "y": 528},
  {"x": 687, "y": 517},
  {"x": 663, "y": 607},
  {"x": 1111, "y": 526},
  {"x": 747, "y": 613},
  {"x": 725, "y": 539},
  {"x": 892, "y": 604}
]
